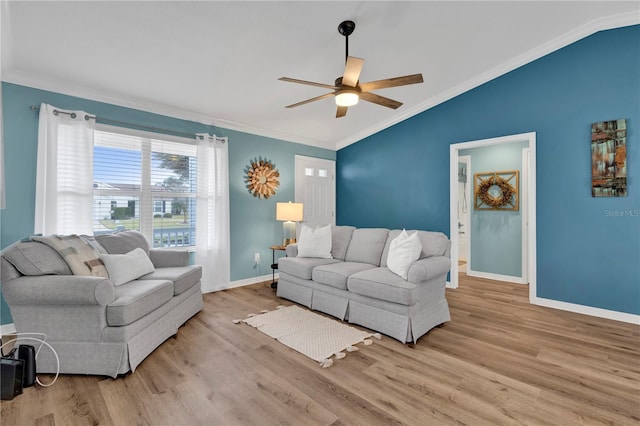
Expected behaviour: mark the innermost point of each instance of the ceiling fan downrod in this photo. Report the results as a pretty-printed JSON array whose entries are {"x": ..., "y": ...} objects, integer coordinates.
[{"x": 346, "y": 29}]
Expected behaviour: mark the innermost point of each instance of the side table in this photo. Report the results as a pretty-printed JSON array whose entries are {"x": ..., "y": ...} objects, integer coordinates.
[{"x": 274, "y": 265}]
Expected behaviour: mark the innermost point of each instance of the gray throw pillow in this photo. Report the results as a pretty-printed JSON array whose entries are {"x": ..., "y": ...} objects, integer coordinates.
[{"x": 123, "y": 242}]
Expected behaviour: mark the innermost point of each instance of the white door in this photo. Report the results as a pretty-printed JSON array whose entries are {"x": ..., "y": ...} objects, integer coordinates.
[{"x": 316, "y": 189}]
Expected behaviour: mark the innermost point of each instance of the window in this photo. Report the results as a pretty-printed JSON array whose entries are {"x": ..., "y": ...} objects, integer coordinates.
[{"x": 147, "y": 183}]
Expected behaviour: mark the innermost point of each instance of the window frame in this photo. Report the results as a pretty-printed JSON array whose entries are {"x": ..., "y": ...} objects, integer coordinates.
[{"x": 146, "y": 194}]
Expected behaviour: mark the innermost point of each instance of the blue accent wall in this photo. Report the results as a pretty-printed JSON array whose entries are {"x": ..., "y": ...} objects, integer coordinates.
[
  {"x": 253, "y": 224},
  {"x": 587, "y": 248},
  {"x": 496, "y": 236}
]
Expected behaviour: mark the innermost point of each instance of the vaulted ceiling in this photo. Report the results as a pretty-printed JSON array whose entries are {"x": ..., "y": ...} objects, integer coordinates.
[{"x": 219, "y": 62}]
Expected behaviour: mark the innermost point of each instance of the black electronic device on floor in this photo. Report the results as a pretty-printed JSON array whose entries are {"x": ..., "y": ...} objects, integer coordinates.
[{"x": 11, "y": 376}]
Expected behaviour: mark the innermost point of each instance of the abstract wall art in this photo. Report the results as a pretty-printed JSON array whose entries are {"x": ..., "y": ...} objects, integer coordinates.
[{"x": 609, "y": 158}]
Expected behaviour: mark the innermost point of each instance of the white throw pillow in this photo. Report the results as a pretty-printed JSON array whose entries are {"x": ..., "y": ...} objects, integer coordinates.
[
  {"x": 123, "y": 268},
  {"x": 403, "y": 251},
  {"x": 315, "y": 242}
]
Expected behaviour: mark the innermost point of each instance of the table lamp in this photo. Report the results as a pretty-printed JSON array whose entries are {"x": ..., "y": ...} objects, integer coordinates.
[{"x": 289, "y": 213}]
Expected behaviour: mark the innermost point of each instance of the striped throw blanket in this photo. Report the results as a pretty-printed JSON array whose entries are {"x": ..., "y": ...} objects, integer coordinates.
[{"x": 80, "y": 253}]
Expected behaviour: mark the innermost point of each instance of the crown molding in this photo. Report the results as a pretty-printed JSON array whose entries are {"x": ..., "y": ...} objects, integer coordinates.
[
  {"x": 24, "y": 79},
  {"x": 592, "y": 27}
]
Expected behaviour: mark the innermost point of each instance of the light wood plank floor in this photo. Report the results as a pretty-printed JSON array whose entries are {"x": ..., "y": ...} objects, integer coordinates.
[{"x": 499, "y": 361}]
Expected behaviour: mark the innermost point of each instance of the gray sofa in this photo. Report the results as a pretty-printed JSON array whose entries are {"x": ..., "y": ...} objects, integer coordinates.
[
  {"x": 96, "y": 327},
  {"x": 356, "y": 285}
]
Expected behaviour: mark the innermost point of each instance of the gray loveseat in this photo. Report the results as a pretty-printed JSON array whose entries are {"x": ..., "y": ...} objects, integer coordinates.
[
  {"x": 96, "y": 327},
  {"x": 356, "y": 285}
]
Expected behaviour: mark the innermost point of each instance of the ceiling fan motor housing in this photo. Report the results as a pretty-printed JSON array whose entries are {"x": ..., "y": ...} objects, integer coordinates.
[{"x": 346, "y": 28}]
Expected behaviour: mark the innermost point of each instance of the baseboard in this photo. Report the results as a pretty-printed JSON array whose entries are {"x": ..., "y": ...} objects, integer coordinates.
[
  {"x": 587, "y": 310},
  {"x": 496, "y": 277},
  {"x": 7, "y": 329},
  {"x": 252, "y": 280}
]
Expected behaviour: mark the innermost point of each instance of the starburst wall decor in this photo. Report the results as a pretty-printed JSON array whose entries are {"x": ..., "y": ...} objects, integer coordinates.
[{"x": 262, "y": 178}]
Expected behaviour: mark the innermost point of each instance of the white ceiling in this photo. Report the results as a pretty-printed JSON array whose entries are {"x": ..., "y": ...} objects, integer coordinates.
[{"x": 219, "y": 62}]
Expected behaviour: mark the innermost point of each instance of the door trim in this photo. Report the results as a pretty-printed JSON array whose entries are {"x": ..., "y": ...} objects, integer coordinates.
[{"x": 530, "y": 180}]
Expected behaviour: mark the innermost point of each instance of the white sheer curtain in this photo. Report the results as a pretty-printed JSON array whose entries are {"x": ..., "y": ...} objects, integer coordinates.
[
  {"x": 212, "y": 212},
  {"x": 64, "y": 179}
]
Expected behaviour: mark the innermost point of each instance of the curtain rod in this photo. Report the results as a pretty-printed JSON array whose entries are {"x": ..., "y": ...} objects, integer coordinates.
[{"x": 124, "y": 123}]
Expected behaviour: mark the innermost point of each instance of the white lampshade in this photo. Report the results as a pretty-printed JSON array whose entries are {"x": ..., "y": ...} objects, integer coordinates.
[
  {"x": 347, "y": 98},
  {"x": 289, "y": 211}
]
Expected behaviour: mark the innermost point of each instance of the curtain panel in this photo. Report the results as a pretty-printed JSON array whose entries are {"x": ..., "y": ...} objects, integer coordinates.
[
  {"x": 212, "y": 212},
  {"x": 64, "y": 178}
]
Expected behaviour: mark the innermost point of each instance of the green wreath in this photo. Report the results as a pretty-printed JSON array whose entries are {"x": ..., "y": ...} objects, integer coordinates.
[{"x": 506, "y": 192}]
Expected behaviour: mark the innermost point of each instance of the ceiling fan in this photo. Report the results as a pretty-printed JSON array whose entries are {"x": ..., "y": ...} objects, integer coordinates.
[{"x": 347, "y": 90}]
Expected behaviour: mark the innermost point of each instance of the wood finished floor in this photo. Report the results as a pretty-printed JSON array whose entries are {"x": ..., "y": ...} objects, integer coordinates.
[{"x": 499, "y": 361}]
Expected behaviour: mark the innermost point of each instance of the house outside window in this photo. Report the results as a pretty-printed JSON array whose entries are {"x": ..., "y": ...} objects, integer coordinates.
[{"x": 145, "y": 182}]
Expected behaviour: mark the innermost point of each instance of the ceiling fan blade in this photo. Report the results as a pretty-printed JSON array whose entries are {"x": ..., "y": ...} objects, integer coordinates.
[
  {"x": 352, "y": 71},
  {"x": 391, "y": 82},
  {"x": 317, "y": 98},
  {"x": 380, "y": 100},
  {"x": 308, "y": 83},
  {"x": 341, "y": 111}
]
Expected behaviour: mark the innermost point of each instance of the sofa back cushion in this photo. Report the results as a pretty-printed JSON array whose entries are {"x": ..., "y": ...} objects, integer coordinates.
[
  {"x": 34, "y": 258},
  {"x": 366, "y": 245},
  {"x": 123, "y": 242},
  {"x": 433, "y": 244},
  {"x": 340, "y": 239}
]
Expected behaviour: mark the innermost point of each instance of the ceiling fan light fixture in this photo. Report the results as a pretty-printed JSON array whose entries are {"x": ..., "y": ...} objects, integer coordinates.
[{"x": 347, "y": 98}]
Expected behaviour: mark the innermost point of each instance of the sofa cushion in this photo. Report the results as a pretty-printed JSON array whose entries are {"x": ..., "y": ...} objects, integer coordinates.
[
  {"x": 433, "y": 244},
  {"x": 340, "y": 239},
  {"x": 302, "y": 267},
  {"x": 136, "y": 299},
  {"x": 336, "y": 274},
  {"x": 315, "y": 242},
  {"x": 366, "y": 245},
  {"x": 183, "y": 277},
  {"x": 381, "y": 283},
  {"x": 123, "y": 242},
  {"x": 35, "y": 258}
]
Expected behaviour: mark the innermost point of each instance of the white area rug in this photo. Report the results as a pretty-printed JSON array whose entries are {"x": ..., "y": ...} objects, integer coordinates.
[{"x": 313, "y": 335}]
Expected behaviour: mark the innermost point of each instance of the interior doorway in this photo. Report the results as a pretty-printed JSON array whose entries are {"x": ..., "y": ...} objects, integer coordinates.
[
  {"x": 316, "y": 189},
  {"x": 528, "y": 184}
]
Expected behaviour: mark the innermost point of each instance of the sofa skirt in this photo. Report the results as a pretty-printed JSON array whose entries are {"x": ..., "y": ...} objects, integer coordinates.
[{"x": 401, "y": 322}]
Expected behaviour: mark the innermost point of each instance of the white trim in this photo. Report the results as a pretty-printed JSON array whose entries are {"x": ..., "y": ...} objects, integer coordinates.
[
  {"x": 19, "y": 78},
  {"x": 496, "y": 277},
  {"x": 587, "y": 310},
  {"x": 7, "y": 329},
  {"x": 600, "y": 24},
  {"x": 524, "y": 207},
  {"x": 531, "y": 209}
]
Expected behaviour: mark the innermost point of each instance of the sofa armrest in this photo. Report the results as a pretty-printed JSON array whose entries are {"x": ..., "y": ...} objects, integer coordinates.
[
  {"x": 292, "y": 250},
  {"x": 164, "y": 258},
  {"x": 428, "y": 268},
  {"x": 58, "y": 290}
]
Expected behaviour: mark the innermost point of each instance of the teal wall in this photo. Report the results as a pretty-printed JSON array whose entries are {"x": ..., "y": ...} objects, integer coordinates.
[
  {"x": 253, "y": 224},
  {"x": 496, "y": 236},
  {"x": 587, "y": 248}
]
